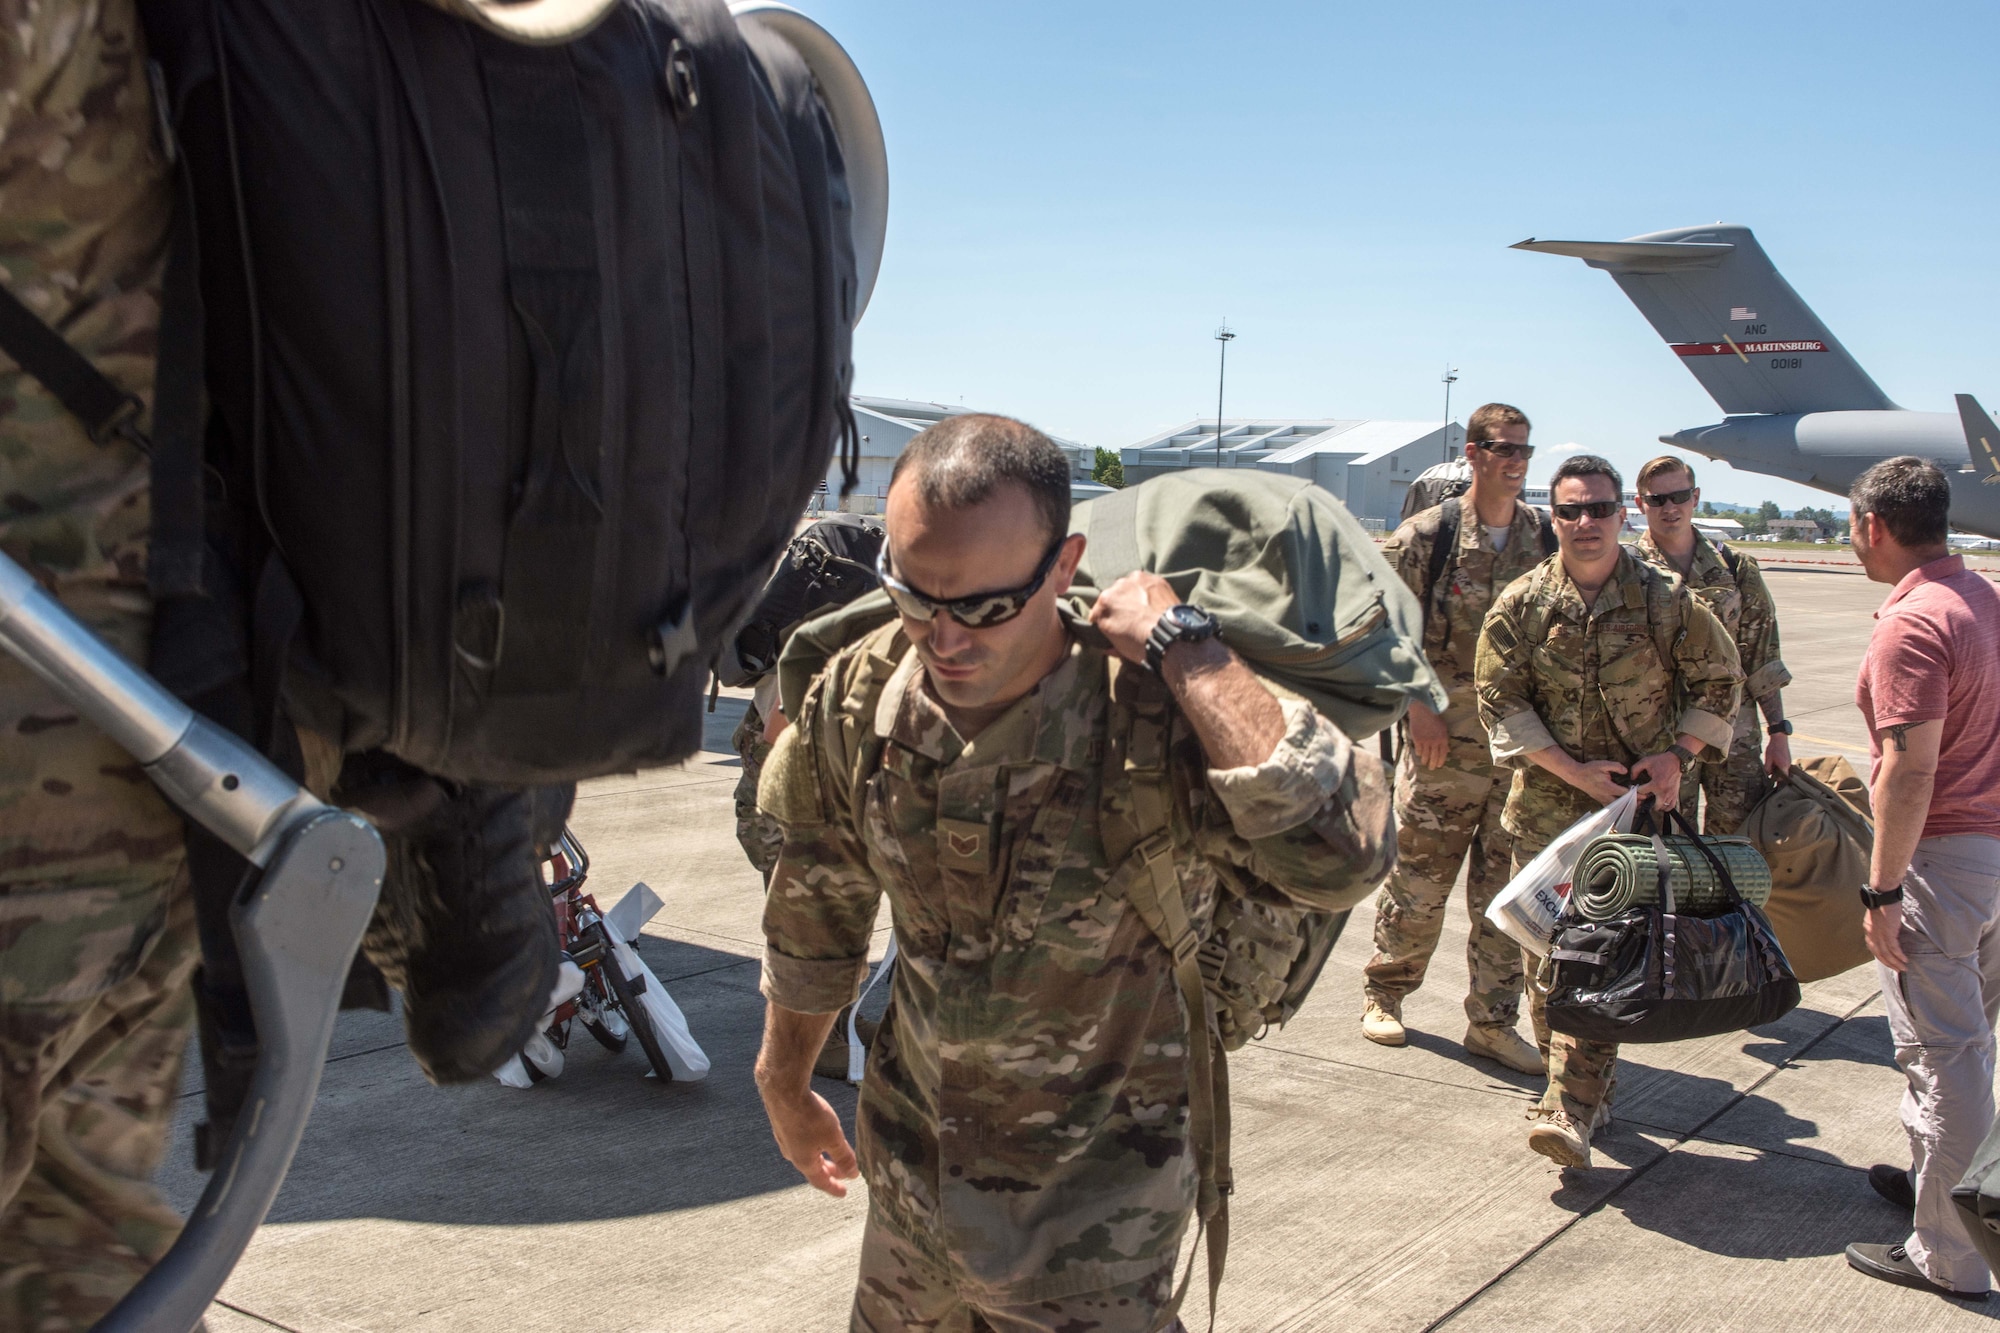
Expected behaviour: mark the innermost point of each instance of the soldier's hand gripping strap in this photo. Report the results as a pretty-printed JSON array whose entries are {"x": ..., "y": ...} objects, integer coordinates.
[{"x": 1146, "y": 873}]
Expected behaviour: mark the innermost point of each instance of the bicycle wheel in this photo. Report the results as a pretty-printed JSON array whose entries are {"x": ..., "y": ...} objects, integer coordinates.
[
  {"x": 603, "y": 1020},
  {"x": 635, "y": 1014}
]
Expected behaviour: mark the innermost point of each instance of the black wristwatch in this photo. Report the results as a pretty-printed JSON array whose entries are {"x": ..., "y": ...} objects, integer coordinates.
[
  {"x": 1682, "y": 753},
  {"x": 1872, "y": 900},
  {"x": 1179, "y": 624},
  {"x": 1783, "y": 728}
]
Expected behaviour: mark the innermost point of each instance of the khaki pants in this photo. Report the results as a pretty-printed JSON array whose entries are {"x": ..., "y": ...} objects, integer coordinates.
[
  {"x": 901, "y": 1290},
  {"x": 1941, "y": 1016}
]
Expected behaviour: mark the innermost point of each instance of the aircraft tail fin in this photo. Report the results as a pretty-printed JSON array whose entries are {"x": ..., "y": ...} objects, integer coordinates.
[
  {"x": 1720, "y": 303},
  {"x": 1982, "y": 439}
]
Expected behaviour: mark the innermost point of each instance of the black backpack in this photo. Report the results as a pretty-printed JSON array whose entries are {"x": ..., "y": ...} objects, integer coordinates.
[
  {"x": 829, "y": 564},
  {"x": 522, "y": 361}
]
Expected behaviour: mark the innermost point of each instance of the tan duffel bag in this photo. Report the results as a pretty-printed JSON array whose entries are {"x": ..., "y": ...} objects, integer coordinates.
[{"x": 1815, "y": 831}]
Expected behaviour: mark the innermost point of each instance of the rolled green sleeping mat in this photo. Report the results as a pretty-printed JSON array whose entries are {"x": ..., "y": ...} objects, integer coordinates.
[{"x": 1618, "y": 871}]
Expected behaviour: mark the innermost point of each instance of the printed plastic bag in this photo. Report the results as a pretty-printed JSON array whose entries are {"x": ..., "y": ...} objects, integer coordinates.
[{"x": 1528, "y": 907}]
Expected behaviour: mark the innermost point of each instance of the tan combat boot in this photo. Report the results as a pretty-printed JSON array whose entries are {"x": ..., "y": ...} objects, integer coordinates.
[
  {"x": 1558, "y": 1138},
  {"x": 1505, "y": 1045},
  {"x": 1382, "y": 1022}
]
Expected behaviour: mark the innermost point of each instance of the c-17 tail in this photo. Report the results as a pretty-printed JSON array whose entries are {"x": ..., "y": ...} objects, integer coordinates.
[
  {"x": 1982, "y": 439},
  {"x": 1716, "y": 298}
]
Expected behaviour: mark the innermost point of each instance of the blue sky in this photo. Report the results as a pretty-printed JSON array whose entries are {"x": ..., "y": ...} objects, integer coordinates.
[{"x": 1081, "y": 192}]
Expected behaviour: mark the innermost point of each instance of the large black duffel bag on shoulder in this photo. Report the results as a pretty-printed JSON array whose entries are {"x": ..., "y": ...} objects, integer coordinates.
[
  {"x": 1653, "y": 975},
  {"x": 523, "y": 359}
]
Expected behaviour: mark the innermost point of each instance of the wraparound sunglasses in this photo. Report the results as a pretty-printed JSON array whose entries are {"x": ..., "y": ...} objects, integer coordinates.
[{"x": 979, "y": 611}]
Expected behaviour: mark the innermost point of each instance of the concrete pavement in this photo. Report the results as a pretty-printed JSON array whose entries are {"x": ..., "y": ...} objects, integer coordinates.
[{"x": 1378, "y": 1189}]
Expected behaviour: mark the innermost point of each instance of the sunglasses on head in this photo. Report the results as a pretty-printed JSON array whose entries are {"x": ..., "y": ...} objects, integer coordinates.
[
  {"x": 1679, "y": 497},
  {"x": 1595, "y": 509},
  {"x": 981, "y": 610},
  {"x": 1503, "y": 449}
]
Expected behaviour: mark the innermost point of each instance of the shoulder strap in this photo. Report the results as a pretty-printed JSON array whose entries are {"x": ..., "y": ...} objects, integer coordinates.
[
  {"x": 108, "y": 412},
  {"x": 1444, "y": 550},
  {"x": 1730, "y": 558},
  {"x": 105, "y": 410},
  {"x": 1142, "y": 721},
  {"x": 1663, "y": 609}
]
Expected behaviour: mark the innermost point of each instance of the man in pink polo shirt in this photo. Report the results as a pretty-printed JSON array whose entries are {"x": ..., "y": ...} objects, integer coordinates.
[{"x": 1930, "y": 693}]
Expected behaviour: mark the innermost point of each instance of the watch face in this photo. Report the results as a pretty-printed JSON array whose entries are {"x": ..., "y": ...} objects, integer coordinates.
[{"x": 1187, "y": 617}]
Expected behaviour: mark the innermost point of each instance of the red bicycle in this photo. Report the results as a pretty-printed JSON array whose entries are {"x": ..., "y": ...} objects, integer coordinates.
[{"x": 608, "y": 1004}]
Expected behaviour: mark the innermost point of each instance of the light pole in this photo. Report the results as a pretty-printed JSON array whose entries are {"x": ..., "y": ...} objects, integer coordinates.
[
  {"x": 1450, "y": 378},
  {"x": 1222, "y": 336}
]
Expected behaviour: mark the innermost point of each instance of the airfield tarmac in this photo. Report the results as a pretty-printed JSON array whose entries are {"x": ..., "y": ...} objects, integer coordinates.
[{"x": 1377, "y": 1189}]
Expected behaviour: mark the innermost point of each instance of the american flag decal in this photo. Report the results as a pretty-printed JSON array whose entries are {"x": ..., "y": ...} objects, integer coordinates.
[{"x": 1742, "y": 312}]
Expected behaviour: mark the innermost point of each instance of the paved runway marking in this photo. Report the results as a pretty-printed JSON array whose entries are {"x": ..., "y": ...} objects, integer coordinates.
[{"x": 1821, "y": 740}]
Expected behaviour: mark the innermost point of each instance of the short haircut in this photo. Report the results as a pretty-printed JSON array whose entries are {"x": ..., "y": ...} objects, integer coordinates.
[
  {"x": 962, "y": 460},
  {"x": 1911, "y": 497},
  {"x": 1586, "y": 465},
  {"x": 1486, "y": 421},
  {"x": 1665, "y": 463}
]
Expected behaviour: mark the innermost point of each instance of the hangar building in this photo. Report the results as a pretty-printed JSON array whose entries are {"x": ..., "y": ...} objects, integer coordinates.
[
  {"x": 886, "y": 425},
  {"x": 1368, "y": 464}
]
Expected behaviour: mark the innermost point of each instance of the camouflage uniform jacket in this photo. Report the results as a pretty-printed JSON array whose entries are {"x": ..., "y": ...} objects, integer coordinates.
[
  {"x": 1598, "y": 682},
  {"x": 1471, "y": 581},
  {"x": 1742, "y": 602},
  {"x": 1024, "y": 1119}
]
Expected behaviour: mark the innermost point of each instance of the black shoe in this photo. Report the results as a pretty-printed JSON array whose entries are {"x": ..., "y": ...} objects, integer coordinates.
[
  {"x": 1893, "y": 1184},
  {"x": 1892, "y": 1264},
  {"x": 464, "y": 927}
]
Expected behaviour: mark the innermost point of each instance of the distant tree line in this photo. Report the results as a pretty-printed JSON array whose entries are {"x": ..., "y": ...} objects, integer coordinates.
[{"x": 1110, "y": 471}]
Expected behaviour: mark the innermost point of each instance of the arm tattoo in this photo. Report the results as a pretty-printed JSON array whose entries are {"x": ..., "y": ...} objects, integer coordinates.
[{"x": 1899, "y": 735}]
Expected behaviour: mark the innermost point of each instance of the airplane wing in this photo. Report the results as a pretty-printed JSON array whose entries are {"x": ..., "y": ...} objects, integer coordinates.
[
  {"x": 1982, "y": 439},
  {"x": 1724, "y": 308}
]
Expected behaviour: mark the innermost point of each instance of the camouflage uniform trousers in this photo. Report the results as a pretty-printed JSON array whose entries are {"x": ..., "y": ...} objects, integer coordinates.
[
  {"x": 97, "y": 943},
  {"x": 1582, "y": 1074},
  {"x": 758, "y": 833},
  {"x": 1732, "y": 788},
  {"x": 97, "y": 936},
  {"x": 1441, "y": 815},
  {"x": 901, "y": 1291}
]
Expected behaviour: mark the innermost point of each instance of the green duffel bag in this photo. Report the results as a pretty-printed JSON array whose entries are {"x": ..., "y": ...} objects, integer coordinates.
[{"x": 1302, "y": 592}]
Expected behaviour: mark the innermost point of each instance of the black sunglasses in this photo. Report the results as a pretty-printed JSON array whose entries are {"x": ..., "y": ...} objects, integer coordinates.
[
  {"x": 981, "y": 610},
  {"x": 1595, "y": 508},
  {"x": 1679, "y": 497},
  {"x": 1501, "y": 449}
]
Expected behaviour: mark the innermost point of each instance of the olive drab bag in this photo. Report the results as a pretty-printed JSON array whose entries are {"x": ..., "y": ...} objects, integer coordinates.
[
  {"x": 524, "y": 352},
  {"x": 1302, "y": 592},
  {"x": 1815, "y": 832}
]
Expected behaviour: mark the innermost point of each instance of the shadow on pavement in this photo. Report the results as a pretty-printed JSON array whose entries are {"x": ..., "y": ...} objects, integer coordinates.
[{"x": 602, "y": 1140}]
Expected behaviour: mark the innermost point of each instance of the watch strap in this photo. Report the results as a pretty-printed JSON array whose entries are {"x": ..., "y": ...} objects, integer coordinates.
[
  {"x": 1871, "y": 899},
  {"x": 1682, "y": 753},
  {"x": 1782, "y": 727}
]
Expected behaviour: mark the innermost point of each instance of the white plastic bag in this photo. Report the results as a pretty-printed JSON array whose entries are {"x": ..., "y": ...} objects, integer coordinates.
[
  {"x": 857, "y": 1054},
  {"x": 1528, "y": 907},
  {"x": 684, "y": 1055}
]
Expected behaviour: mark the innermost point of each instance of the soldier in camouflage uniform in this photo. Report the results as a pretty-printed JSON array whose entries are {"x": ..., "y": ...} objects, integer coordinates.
[
  {"x": 757, "y": 833},
  {"x": 97, "y": 934},
  {"x": 1024, "y": 1124},
  {"x": 1594, "y": 671},
  {"x": 1448, "y": 791},
  {"x": 1729, "y": 583}
]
